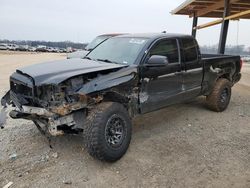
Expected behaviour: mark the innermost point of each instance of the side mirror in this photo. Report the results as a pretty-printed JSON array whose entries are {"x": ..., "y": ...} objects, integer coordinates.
[{"x": 157, "y": 61}]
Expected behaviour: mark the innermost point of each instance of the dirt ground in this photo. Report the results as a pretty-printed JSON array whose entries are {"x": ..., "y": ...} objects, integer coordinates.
[{"x": 184, "y": 145}]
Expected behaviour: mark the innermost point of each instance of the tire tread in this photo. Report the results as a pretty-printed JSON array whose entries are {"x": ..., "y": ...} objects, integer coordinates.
[
  {"x": 213, "y": 97},
  {"x": 92, "y": 134}
]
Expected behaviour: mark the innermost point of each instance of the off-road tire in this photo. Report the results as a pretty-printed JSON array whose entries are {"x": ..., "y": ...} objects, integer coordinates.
[
  {"x": 220, "y": 96},
  {"x": 95, "y": 131}
]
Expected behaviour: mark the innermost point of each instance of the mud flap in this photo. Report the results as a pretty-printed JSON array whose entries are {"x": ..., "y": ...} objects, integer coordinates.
[
  {"x": 44, "y": 132},
  {"x": 3, "y": 114},
  {"x": 5, "y": 100},
  {"x": 3, "y": 117}
]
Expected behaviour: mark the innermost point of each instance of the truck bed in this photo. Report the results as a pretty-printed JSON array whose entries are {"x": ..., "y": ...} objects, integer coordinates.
[
  {"x": 218, "y": 64},
  {"x": 217, "y": 56},
  {"x": 217, "y": 60}
]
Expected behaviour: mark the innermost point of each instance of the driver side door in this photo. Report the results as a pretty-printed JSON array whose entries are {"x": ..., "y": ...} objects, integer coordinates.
[{"x": 161, "y": 85}]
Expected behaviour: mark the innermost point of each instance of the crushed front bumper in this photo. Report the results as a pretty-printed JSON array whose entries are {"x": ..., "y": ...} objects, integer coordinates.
[{"x": 41, "y": 116}]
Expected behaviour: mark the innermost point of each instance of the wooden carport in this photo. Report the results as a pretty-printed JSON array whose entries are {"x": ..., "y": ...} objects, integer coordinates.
[{"x": 224, "y": 10}]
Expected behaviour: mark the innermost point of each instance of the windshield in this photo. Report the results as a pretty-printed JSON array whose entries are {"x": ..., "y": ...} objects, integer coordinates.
[
  {"x": 119, "y": 50},
  {"x": 95, "y": 42}
]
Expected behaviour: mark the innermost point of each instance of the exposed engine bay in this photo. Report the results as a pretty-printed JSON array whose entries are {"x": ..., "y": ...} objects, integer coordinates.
[{"x": 63, "y": 107}]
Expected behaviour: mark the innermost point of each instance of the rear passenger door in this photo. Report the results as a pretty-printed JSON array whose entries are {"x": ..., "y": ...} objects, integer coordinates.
[{"x": 192, "y": 67}]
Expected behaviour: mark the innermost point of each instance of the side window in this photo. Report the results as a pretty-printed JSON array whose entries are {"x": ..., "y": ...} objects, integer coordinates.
[
  {"x": 189, "y": 49},
  {"x": 166, "y": 48}
]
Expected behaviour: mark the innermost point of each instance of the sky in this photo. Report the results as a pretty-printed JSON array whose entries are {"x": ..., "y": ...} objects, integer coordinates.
[{"x": 82, "y": 20}]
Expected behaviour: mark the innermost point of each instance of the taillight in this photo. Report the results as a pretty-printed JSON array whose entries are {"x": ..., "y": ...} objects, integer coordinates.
[{"x": 241, "y": 63}]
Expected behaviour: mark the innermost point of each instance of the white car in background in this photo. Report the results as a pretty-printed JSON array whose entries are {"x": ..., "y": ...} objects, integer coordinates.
[
  {"x": 22, "y": 48},
  {"x": 246, "y": 58},
  {"x": 3, "y": 47},
  {"x": 12, "y": 46},
  {"x": 41, "y": 48},
  {"x": 50, "y": 49},
  {"x": 32, "y": 49}
]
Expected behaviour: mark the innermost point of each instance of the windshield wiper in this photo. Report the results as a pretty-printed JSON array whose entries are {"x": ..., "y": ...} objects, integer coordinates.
[
  {"x": 107, "y": 61},
  {"x": 87, "y": 58}
]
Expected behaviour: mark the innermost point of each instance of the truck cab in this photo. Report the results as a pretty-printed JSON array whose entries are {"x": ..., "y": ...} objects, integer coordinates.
[{"x": 171, "y": 72}]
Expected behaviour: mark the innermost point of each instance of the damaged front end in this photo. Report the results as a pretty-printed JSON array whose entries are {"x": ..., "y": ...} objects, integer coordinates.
[
  {"x": 63, "y": 107},
  {"x": 55, "y": 119},
  {"x": 58, "y": 108}
]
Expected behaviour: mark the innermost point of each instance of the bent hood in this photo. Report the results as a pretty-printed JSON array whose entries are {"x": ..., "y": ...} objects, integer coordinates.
[{"x": 57, "y": 71}]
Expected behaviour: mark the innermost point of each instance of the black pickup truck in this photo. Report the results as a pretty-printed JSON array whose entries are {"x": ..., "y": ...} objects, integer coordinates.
[{"x": 123, "y": 77}]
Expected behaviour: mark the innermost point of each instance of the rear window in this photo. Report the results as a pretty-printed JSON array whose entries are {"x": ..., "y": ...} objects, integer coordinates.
[{"x": 189, "y": 49}]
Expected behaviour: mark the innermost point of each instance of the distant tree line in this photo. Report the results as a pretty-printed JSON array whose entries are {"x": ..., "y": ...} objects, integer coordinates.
[
  {"x": 230, "y": 49},
  {"x": 62, "y": 44}
]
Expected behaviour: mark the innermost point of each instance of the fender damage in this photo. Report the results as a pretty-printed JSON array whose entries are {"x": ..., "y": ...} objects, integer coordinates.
[{"x": 64, "y": 106}]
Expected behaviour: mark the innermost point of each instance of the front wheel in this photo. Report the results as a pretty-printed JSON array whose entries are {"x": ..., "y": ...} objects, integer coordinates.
[
  {"x": 220, "y": 96},
  {"x": 108, "y": 131}
]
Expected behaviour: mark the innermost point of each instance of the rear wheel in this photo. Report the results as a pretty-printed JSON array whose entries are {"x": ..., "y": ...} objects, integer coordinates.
[
  {"x": 220, "y": 96},
  {"x": 108, "y": 131}
]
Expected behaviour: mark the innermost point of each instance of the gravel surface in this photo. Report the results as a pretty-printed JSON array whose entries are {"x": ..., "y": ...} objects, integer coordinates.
[{"x": 184, "y": 145}]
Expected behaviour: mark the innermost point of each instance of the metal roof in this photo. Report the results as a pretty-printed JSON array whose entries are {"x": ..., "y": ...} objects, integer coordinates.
[{"x": 213, "y": 8}]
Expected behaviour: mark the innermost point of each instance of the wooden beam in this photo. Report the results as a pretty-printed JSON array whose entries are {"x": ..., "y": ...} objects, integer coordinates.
[
  {"x": 217, "y": 15},
  {"x": 182, "y": 6},
  {"x": 238, "y": 15},
  {"x": 213, "y": 7},
  {"x": 240, "y": 3},
  {"x": 216, "y": 22},
  {"x": 232, "y": 17}
]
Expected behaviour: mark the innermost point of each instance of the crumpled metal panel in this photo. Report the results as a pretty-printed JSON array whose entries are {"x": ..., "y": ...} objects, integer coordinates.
[
  {"x": 110, "y": 80},
  {"x": 58, "y": 71}
]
